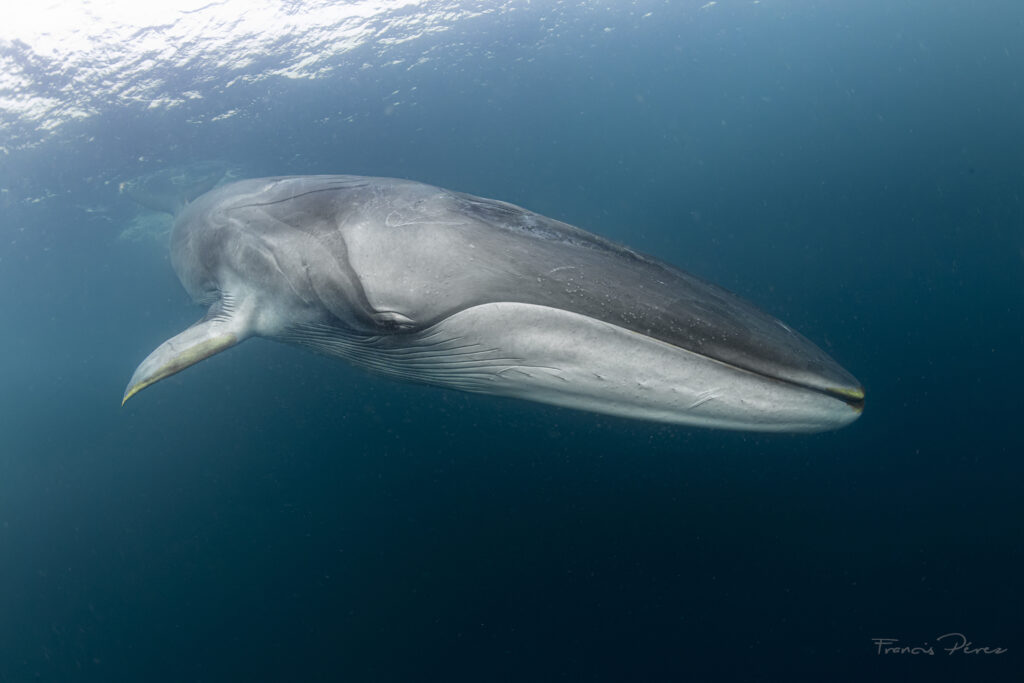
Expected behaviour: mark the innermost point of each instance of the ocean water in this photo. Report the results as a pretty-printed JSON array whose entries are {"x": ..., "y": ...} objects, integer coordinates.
[{"x": 853, "y": 168}]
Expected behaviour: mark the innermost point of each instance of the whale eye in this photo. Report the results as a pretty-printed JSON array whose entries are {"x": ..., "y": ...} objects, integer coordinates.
[{"x": 393, "y": 321}]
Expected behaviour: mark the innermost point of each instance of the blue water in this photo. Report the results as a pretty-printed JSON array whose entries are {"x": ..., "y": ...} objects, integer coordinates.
[{"x": 853, "y": 168}]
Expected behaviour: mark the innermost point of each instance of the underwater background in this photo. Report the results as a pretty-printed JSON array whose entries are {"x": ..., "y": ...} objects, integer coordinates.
[{"x": 853, "y": 168}]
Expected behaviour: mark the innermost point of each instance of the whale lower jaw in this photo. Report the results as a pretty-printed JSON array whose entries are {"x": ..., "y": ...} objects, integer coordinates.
[{"x": 566, "y": 359}]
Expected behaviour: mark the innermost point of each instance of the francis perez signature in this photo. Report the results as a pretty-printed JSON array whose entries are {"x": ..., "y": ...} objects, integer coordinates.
[{"x": 950, "y": 643}]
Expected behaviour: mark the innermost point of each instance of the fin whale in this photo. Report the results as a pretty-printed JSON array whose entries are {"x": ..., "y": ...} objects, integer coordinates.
[{"x": 435, "y": 286}]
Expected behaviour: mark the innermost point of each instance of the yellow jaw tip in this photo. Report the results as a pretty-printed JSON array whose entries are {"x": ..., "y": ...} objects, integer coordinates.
[
  {"x": 855, "y": 397},
  {"x": 852, "y": 394}
]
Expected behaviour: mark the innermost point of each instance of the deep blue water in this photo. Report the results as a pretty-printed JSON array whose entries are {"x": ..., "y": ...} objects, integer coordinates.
[{"x": 853, "y": 168}]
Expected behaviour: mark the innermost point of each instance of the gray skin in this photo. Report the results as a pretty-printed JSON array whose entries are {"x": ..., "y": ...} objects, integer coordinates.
[{"x": 429, "y": 285}]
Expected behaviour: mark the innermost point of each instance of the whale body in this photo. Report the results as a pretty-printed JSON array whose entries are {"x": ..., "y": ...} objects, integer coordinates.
[{"x": 430, "y": 285}]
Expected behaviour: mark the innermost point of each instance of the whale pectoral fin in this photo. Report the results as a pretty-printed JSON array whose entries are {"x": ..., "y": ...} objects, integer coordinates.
[{"x": 204, "y": 339}]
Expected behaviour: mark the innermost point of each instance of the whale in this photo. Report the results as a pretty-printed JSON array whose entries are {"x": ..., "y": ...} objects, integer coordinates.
[{"x": 423, "y": 284}]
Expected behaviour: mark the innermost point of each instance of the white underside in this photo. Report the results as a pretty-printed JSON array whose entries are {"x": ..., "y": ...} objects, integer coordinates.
[{"x": 566, "y": 359}]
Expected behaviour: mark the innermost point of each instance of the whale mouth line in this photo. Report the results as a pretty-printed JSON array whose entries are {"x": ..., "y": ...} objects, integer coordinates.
[{"x": 852, "y": 397}]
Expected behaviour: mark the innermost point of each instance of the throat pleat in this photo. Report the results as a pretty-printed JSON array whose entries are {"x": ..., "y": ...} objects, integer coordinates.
[{"x": 420, "y": 357}]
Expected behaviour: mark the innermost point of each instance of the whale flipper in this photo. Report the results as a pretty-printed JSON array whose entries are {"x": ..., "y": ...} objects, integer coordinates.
[{"x": 209, "y": 336}]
